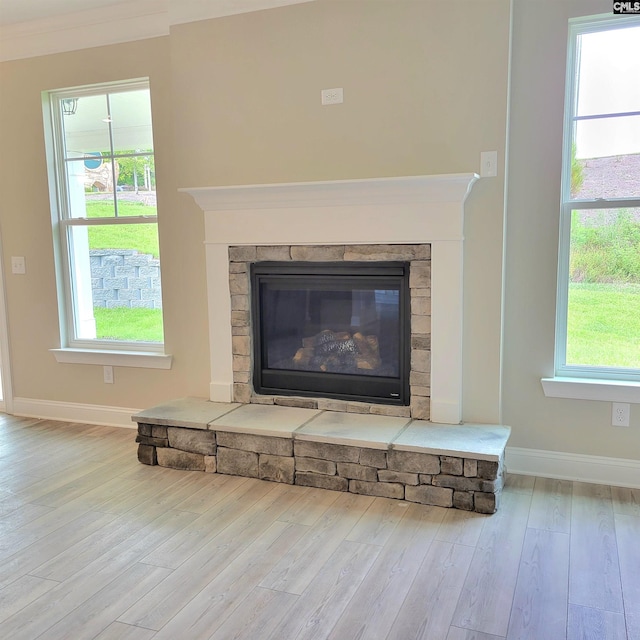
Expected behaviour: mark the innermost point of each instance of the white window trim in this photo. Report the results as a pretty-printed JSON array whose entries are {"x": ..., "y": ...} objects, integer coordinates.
[
  {"x": 571, "y": 381},
  {"x": 591, "y": 389},
  {"x": 139, "y": 359},
  {"x": 76, "y": 351}
]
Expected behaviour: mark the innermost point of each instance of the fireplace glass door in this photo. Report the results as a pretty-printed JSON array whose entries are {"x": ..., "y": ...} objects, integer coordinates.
[{"x": 338, "y": 330}]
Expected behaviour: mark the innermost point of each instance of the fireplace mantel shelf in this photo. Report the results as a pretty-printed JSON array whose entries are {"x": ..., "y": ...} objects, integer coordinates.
[
  {"x": 378, "y": 211},
  {"x": 369, "y": 191}
]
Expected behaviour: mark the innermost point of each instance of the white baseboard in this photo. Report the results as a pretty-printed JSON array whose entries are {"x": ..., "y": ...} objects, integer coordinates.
[
  {"x": 74, "y": 412},
  {"x": 618, "y": 472}
]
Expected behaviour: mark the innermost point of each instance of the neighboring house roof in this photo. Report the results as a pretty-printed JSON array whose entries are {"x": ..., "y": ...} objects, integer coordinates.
[{"x": 612, "y": 177}]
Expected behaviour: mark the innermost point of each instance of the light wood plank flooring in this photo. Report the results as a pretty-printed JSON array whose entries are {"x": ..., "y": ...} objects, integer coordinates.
[{"x": 95, "y": 545}]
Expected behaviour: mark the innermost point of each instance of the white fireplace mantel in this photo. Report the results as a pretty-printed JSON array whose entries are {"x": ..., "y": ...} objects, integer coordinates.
[{"x": 404, "y": 210}]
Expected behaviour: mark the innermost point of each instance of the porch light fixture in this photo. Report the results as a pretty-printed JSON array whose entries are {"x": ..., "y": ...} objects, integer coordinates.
[{"x": 69, "y": 106}]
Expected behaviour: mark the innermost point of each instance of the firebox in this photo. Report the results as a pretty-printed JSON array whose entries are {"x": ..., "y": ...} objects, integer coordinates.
[{"x": 337, "y": 330}]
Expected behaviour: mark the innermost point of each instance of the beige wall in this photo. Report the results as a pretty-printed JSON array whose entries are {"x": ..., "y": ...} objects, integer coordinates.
[
  {"x": 535, "y": 148},
  {"x": 237, "y": 101}
]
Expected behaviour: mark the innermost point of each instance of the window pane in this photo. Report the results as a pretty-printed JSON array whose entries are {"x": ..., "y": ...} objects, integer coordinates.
[
  {"x": 138, "y": 238},
  {"x": 136, "y": 185},
  {"x": 86, "y": 131},
  {"x": 100, "y": 205},
  {"x": 603, "y": 323},
  {"x": 115, "y": 272},
  {"x": 90, "y": 187},
  {"x": 608, "y": 153},
  {"x": 131, "y": 121},
  {"x": 608, "y": 63},
  {"x": 608, "y": 177},
  {"x": 142, "y": 203},
  {"x": 607, "y": 137},
  {"x": 606, "y": 150},
  {"x": 99, "y": 175}
]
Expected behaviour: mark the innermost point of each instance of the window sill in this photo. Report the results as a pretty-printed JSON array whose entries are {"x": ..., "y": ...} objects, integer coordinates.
[
  {"x": 113, "y": 358},
  {"x": 592, "y": 389}
]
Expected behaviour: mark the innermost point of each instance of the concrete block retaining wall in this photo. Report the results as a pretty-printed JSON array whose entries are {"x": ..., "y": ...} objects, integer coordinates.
[{"x": 125, "y": 278}]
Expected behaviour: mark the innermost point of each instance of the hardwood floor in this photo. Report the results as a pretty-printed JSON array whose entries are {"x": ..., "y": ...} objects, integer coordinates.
[{"x": 95, "y": 545}]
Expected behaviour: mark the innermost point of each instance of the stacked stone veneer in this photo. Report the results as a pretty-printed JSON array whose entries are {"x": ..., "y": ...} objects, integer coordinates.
[
  {"x": 125, "y": 278},
  {"x": 441, "y": 480},
  {"x": 419, "y": 257}
]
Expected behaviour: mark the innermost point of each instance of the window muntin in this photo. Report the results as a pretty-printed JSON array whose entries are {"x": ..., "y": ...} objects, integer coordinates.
[
  {"x": 106, "y": 217},
  {"x": 609, "y": 163},
  {"x": 598, "y": 320}
]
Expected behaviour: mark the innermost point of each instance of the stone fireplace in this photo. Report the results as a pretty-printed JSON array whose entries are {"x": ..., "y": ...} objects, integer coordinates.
[
  {"x": 416, "y": 452},
  {"x": 417, "y": 219},
  {"x": 413, "y": 383}
]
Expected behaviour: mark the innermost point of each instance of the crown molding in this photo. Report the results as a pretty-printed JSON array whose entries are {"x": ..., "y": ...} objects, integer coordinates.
[
  {"x": 183, "y": 11},
  {"x": 115, "y": 24}
]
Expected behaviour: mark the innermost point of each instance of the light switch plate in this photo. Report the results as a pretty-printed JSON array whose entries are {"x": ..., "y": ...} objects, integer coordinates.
[
  {"x": 18, "y": 265},
  {"x": 488, "y": 164}
]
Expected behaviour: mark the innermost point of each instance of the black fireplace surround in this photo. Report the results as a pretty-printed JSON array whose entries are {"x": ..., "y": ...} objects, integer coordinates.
[{"x": 332, "y": 329}]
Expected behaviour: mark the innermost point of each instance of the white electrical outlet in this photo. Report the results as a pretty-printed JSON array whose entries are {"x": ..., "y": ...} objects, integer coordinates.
[
  {"x": 107, "y": 372},
  {"x": 332, "y": 96},
  {"x": 620, "y": 414}
]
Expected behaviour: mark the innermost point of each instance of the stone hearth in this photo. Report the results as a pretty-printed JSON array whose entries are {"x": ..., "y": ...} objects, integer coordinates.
[{"x": 393, "y": 457}]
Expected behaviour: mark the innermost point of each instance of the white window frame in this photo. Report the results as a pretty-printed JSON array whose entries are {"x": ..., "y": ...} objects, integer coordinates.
[
  {"x": 575, "y": 381},
  {"x": 76, "y": 350}
]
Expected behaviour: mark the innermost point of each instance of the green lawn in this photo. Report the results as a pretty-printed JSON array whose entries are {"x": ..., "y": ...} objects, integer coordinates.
[
  {"x": 603, "y": 325},
  {"x": 141, "y": 237},
  {"x": 105, "y": 209},
  {"x": 133, "y": 325}
]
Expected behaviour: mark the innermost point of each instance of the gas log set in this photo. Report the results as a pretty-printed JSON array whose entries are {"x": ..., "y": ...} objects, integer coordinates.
[{"x": 338, "y": 352}]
